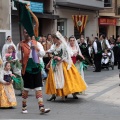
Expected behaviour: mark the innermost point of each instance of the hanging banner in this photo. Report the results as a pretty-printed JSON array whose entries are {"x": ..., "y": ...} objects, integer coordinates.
[
  {"x": 80, "y": 21},
  {"x": 107, "y": 21}
]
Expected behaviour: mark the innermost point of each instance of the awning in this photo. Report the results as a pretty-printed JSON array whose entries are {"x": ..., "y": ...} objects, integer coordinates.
[
  {"x": 85, "y": 4},
  {"x": 39, "y": 15}
]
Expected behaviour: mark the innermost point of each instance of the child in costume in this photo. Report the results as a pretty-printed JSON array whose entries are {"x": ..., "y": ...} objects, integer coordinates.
[
  {"x": 11, "y": 57},
  {"x": 105, "y": 57},
  {"x": 7, "y": 94}
]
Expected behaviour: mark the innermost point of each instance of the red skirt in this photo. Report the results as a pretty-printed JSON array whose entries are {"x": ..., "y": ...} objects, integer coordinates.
[{"x": 74, "y": 59}]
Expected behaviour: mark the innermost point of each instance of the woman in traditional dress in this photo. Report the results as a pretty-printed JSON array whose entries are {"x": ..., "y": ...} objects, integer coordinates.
[
  {"x": 63, "y": 78},
  {"x": 8, "y": 43},
  {"x": 77, "y": 57},
  {"x": 7, "y": 94},
  {"x": 76, "y": 51}
]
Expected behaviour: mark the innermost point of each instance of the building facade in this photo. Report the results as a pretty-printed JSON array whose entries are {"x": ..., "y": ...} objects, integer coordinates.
[
  {"x": 5, "y": 21},
  {"x": 109, "y": 18},
  {"x": 57, "y": 15},
  {"x": 66, "y": 8}
]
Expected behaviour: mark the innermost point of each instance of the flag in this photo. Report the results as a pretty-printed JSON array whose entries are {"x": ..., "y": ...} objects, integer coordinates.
[
  {"x": 80, "y": 21},
  {"x": 36, "y": 27},
  {"x": 25, "y": 17}
]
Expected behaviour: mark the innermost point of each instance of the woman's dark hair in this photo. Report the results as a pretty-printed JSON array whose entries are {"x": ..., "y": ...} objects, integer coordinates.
[
  {"x": 7, "y": 63},
  {"x": 71, "y": 37},
  {"x": 8, "y": 37},
  {"x": 96, "y": 38},
  {"x": 48, "y": 35}
]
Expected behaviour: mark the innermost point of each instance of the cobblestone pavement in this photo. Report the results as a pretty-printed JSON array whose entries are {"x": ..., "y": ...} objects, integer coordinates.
[{"x": 101, "y": 101}]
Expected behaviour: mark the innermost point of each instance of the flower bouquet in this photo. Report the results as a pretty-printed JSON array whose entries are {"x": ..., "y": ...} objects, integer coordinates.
[
  {"x": 8, "y": 56},
  {"x": 57, "y": 57}
]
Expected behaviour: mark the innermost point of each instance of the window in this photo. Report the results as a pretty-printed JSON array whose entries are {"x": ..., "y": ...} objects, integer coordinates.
[
  {"x": 107, "y": 3},
  {"x": 62, "y": 26},
  {"x": 118, "y": 10}
]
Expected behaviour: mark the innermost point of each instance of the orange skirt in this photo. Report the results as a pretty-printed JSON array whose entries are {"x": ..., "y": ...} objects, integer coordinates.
[
  {"x": 73, "y": 82},
  {"x": 4, "y": 100}
]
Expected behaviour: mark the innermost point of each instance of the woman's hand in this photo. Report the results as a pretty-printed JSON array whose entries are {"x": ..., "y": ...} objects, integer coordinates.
[
  {"x": 55, "y": 57},
  {"x": 83, "y": 57},
  {"x": 35, "y": 47},
  {"x": 48, "y": 66},
  {"x": 58, "y": 58},
  {"x": 12, "y": 75}
]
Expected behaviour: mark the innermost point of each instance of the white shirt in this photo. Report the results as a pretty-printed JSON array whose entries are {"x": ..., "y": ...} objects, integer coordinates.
[
  {"x": 95, "y": 47},
  {"x": 2, "y": 73},
  {"x": 85, "y": 41},
  {"x": 107, "y": 43}
]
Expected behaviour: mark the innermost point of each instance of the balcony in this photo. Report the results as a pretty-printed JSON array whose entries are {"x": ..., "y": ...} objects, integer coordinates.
[{"x": 82, "y": 4}]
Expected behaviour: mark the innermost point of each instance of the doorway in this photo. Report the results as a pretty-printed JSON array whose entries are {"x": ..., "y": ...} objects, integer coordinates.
[{"x": 103, "y": 30}]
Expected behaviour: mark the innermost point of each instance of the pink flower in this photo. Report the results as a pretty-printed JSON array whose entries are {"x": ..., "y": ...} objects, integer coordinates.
[
  {"x": 7, "y": 55},
  {"x": 59, "y": 58}
]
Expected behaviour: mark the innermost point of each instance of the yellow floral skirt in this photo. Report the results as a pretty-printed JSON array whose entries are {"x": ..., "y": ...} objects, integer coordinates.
[
  {"x": 73, "y": 82},
  {"x": 7, "y": 96}
]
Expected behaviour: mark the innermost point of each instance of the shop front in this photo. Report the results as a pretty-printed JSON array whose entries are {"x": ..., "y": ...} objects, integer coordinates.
[{"x": 107, "y": 26}]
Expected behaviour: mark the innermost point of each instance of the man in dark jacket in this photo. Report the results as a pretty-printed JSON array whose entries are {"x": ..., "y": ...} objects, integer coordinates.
[
  {"x": 118, "y": 52},
  {"x": 97, "y": 49}
]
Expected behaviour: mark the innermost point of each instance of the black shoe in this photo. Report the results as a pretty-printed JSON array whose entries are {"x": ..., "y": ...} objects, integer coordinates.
[
  {"x": 75, "y": 96},
  {"x": 20, "y": 94},
  {"x": 52, "y": 98},
  {"x": 97, "y": 71},
  {"x": 66, "y": 97}
]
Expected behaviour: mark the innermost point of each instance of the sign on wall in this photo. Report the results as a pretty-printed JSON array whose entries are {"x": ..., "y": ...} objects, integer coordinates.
[
  {"x": 107, "y": 21},
  {"x": 34, "y": 6}
]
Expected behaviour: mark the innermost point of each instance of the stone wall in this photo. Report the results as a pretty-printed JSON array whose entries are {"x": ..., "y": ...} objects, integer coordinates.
[{"x": 4, "y": 15}]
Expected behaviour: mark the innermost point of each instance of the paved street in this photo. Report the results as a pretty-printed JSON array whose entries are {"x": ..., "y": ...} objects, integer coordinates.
[{"x": 101, "y": 101}]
